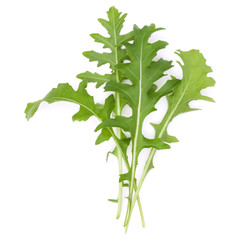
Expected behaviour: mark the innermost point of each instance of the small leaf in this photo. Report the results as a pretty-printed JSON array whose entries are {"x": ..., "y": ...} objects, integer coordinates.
[
  {"x": 125, "y": 177},
  {"x": 96, "y": 78},
  {"x": 105, "y": 135},
  {"x": 119, "y": 121},
  {"x": 101, "y": 58},
  {"x": 113, "y": 25},
  {"x": 114, "y": 152},
  {"x": 113, "y": 200},
  {"x": 106, "y": 110},
  {"x": 155, "y": 143},
  {"x": 82, "y": 115},
  {"x": 107, "y": 42},
  {"x": 31, "y": 109}
]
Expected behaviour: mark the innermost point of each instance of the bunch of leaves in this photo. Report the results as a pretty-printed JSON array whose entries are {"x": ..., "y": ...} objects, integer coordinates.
[{"x": 131, "y": 58}]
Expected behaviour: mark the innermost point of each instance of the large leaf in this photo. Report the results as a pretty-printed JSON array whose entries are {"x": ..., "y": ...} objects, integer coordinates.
[
  {"x": 194, "y": 79},
  {"x": 113, "y": 42},
  {"x": 64, "y": 92},
  {"x": 143, "y": 72},
  {"x": 88, "y": 108}
]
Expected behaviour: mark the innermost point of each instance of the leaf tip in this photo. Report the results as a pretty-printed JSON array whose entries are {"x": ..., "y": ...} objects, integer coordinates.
[
  {"x": 31, "y": 109},
  {"x": 113, "y": 200},
  {"x": 98, "y": 127}
]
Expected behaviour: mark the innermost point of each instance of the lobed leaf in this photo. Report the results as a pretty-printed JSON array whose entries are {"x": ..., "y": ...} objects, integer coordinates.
[
  {"x": 64, "y": 92},
  {"x": 116, "y": 55},
  {"x": 113, "y": 25},
  {"x": 96, "y": 78},
  {"x": 194, "y": 79},
  {"x": 141, "y": 94},
  {"x": 143, "y": 72}
]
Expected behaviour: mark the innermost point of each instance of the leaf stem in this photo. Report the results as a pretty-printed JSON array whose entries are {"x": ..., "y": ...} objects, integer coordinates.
[
  {"x": 120, "y": 185},
  {"x": 145, "y": 170},
  {"x": 119, "y": 156},
  {"x": 135, "y": 143},
  {"x": 118, "y": 131},
  {"x": 128, "y": 168},
  {"x": 136, "y": 195}
]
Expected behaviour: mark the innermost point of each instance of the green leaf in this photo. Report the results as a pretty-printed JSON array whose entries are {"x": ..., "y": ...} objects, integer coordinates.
[
  {"x": 114, "y": 152},
  {"x": 114, "y": 42},
  {"x": 113, "y": 200},
  {"x": 106, "y": 109},
  {"x": 82, "y": 115},
  {"x": 125, "y": 123},
  {"x": 101, "y": 58},
  {"x": 96, "y": 78},
  {"x": 155, "y": 143},
  {"x": 31, "y": 109},
  {"x": 125, "y": 177},
  {"x": 142, "y": 71},
  {"x": 194, "y": 79},
  {"x": 105, "y": 135},
  {"x": 123, "y": 144},
  {"x": 64, "y": 92},
  {"x": 141, "y": 96}
]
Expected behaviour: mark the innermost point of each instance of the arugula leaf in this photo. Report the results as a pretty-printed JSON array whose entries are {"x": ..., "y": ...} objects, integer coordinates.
[
  {"x": 64, "y": 92},
  {"x": 117, "y": 55},
  {"x": 194, "y": 79},
  {"x": 142, "y": 71},
  {"x": 114, "y": 42},
  {"x": 95, "y": 77},
  {"x": 88, "y": 108}
]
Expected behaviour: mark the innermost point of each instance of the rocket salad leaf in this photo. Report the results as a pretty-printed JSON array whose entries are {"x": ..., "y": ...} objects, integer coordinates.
[
  {"x": 117, "y": 55},
  {"x": 142, "y": 71},
  {"x": 140, "y": 93},
  {"x": 194, "y": 80}
]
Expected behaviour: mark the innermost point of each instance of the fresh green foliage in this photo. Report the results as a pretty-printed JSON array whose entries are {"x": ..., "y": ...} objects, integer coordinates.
[
  {"x": 194, "y": 80},
  {"x": 131, "y": 57},
  {"x": 64, "y": 92},
  {"x": 116, "y": 56},
  {"x": 142, "y": 72}
]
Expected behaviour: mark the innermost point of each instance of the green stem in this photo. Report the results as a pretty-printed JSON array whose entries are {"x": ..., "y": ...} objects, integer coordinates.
[
  {"x": 167, "y": 118},
  {"x": 135, "y": 141},
  {"x": 118, "y": 134},
  {"x": 119, "y": 156},
  {"x": 136, "y": 195},
  {"x": 119, "y": 189},
  {"x": 118, "y": 131},
  {"x": 140, "y": 209},
  {"x": 128, "y": 168}
]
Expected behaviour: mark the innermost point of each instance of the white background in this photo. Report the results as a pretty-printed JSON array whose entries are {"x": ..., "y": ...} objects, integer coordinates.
[{"x": 54, "y": 182}]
